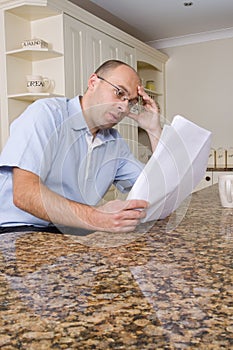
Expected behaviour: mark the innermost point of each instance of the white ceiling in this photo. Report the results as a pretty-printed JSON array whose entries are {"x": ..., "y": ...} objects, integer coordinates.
[{"x": 152, "y": 20}]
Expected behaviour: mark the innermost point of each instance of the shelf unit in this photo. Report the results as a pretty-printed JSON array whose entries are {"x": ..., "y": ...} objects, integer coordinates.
[
  {"x": 147, "y": 71},
  {"x": 151, "y": 70},
  {"x": 31, "y": 22}
]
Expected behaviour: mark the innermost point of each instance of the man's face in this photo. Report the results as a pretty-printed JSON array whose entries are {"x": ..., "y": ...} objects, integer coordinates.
[{"x": 115, "y": 93}]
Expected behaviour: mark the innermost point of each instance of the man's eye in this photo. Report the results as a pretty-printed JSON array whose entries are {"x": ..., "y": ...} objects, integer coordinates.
[{"x": 120, "y": 93}]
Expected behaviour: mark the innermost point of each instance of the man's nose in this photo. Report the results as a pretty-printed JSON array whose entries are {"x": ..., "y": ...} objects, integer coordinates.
[{"x": 124, "y": 105}]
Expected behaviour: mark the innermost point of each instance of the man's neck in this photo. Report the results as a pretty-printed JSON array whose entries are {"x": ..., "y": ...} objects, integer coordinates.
[{"x": 93, "y": 130}]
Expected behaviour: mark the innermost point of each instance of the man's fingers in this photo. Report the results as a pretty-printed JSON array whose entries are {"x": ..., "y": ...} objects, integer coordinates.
[{"x": 136, "y": 204}]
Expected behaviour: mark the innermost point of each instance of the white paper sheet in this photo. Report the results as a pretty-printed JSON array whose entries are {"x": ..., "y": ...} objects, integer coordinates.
[{"x": 174, "y": 169}]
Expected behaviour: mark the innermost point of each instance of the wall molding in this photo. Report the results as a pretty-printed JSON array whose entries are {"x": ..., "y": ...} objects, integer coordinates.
[{"x": 192, "y": 39}]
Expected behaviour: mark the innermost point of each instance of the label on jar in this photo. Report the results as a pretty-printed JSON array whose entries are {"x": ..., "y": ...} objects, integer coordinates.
[
  {"x": 230, "y": 157},
  {"x": 220, "y": 158}
]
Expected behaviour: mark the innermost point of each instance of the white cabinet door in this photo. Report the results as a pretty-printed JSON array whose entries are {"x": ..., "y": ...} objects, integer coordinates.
[
  {"x": 111, "y": 49},
  {"x": 75, "y": 58},
  {"x": 128, "y": 55},
  {"x": 101, "y": 47},
  {"x": 94, "y": 49},
  {"x": 114, "y": 49}
]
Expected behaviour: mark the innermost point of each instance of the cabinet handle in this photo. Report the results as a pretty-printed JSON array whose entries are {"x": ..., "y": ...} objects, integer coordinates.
[{"x": 208, "y": 178}]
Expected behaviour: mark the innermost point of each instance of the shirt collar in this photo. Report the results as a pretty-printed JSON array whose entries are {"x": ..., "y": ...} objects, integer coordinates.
[{"x": 75, "y": 114}]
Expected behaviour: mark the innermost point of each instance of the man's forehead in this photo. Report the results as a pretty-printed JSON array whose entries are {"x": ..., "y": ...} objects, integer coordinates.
[
  {"x": 123, "y": 70},
  {"x": 128, "y": 79}
]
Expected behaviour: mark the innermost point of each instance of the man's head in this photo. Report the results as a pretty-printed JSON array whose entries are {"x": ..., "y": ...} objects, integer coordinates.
[
  {"x": 110, "y": 65},
  {"x": 112, "y": 90}
]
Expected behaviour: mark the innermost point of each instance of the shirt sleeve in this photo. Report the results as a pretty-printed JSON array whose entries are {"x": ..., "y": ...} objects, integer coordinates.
[{"x": 30, "y": 136}]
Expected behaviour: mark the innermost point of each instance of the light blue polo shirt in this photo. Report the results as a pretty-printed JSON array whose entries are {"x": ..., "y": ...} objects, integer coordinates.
[{"x": 51, "y": 139}]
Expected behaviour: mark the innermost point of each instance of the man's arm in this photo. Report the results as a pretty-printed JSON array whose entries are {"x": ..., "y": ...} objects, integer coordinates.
[
  {"x": 30, "y": 195},
  {"x": 149, "y": 119}
]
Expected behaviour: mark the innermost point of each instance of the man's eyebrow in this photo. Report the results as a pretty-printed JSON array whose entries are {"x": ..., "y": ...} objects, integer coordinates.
[{"x": 122, "y": 88}]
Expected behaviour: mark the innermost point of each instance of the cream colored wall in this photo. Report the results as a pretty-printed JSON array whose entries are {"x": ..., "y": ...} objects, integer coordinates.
[{"x": 199, "y": 82}]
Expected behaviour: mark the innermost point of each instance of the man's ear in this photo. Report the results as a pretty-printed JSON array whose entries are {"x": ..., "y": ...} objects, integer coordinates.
[{"x": 92, "y": 81}]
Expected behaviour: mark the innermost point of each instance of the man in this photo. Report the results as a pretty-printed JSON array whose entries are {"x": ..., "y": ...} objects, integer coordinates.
[{"x": 62, "y": 156}]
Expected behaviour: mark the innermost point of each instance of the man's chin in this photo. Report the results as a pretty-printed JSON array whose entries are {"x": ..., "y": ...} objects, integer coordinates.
[{"x": 107, "y": 126}]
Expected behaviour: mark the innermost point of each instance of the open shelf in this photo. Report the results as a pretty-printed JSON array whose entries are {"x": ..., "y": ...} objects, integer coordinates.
[
  {"x": 30, "y": 97},
  {"x": 34, "y": 54},
  {"x": 152, "y": 92}
]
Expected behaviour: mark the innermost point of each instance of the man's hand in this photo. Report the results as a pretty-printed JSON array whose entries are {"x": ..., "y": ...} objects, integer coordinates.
[
  {"x": 149, "y": 118},
  {"x": 120, "y": 216}
]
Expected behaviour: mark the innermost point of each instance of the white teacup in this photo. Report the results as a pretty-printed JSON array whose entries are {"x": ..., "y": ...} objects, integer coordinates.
[
  {"x": 37, "y": 84},
  {"x": 225, "y": 185}
]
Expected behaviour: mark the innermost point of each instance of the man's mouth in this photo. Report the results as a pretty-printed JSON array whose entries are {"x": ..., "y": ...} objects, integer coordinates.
[{"x": 114, "y": 118}]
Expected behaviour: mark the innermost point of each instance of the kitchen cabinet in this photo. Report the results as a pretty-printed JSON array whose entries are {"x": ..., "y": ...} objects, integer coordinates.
[
  {"x": 150, "y": 66},
  {"x": 211, "y": 178},
  {"x": 75, "y": 58},
  {"x": 22, "y": 23},
  {"x": 78, "y": 42}
]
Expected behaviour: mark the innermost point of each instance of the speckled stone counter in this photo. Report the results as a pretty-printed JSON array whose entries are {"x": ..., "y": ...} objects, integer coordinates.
[{"x": 166, "y": 286}]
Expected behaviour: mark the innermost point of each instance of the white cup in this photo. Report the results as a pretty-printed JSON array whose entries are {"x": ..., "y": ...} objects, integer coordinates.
[
  {"x": 37, "y": 84},
  {"x": 225, "y": 185}
]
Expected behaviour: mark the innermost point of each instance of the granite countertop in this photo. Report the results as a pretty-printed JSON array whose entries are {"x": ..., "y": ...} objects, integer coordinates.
[{"x": 167, "y": 286}]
